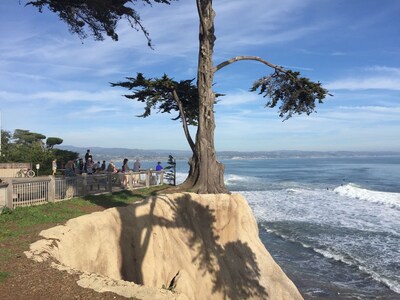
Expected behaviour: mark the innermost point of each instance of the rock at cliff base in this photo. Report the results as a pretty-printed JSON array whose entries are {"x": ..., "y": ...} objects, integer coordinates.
[{"x": 198, "y": 246}]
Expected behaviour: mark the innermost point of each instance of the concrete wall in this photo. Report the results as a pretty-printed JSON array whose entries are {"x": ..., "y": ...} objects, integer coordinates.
[
  {"x": 11, "y": 169},
  {"x": 3, "y": 195}
]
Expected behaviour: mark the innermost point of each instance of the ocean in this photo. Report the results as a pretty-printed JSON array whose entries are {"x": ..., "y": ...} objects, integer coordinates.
[{"x": 332, "y": 224}]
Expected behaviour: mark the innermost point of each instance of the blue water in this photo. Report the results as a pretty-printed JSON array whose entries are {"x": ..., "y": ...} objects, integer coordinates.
[{"x": 332, "y": 224}]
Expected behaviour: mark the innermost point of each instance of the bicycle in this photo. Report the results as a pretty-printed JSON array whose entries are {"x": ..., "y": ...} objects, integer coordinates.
[{"x": 25, "y": 173}]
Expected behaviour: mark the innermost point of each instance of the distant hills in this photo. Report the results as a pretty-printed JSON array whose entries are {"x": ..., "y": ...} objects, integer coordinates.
[{"x": 118, "y": 154}]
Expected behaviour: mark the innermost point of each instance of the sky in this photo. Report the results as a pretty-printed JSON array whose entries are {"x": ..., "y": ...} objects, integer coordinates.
[{"x": 54, "y": 83}]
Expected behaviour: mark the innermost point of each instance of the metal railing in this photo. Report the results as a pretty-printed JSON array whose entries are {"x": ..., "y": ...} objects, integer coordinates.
[
  {"x": 29, "y": 192},
  {"x": 16, "y": 192}
]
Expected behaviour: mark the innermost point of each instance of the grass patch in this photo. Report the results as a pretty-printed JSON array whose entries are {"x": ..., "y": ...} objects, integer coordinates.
[
  {"x": 5, "y": 254},
  {"x": 3, "y": 276},
  {"x": 13, "y": 223}
]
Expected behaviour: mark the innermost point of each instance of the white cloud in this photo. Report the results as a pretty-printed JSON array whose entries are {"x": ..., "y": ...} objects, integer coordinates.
[
  {"x": 384, "y": 69},
  {"x": 375, "y": 77},
  {"x": 67, "y": 96},
  {"x": 239, "y": 98},
  {"x": 388, "y": 83}
]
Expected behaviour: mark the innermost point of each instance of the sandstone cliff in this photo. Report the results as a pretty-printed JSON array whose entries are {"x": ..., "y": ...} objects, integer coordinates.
[{"x": 199, "y": 246}]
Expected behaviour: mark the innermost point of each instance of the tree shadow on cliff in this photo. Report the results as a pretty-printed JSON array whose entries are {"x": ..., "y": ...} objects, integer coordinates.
[
  {"x": 232, "y": 265},
  {"x": 118, "y": 199}
]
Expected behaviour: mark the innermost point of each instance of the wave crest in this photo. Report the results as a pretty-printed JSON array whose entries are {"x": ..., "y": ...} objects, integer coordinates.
[{"x": 353, "y": 191}]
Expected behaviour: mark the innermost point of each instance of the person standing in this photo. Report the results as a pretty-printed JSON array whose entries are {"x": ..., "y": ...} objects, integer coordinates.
[
  {"x": 54, "y": 167},
  {"x": 136, "y": 168},
  {"x": 159, "y": 168},
  {"x": 89, "y": 165},
  {"x": 70, "y": 169},
  {"x": 81, "y": 166},
  {"x": 87, "y": 155},
  {"x": 111, "y": 168},
  {"x": 125, "y": 173}
]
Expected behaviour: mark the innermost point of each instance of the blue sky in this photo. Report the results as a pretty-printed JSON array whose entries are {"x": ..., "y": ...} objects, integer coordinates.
[{"x": 53, "y": 83}]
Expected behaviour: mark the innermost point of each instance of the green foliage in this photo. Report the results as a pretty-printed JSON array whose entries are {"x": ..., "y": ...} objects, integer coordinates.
[
  {"x": 157, "y": 94},
  {"x": 100, "y": 16},
  {"x": 170, "y": 174},
  {"x": 25, "y": 137},
  {"x": 295, "y": 94},
  {"x": 5, "y": 138},
  {"x": 6, "y": 211},
  {"x": 52, "y": 141},
  {"x": 63, "y": 156},
  {"x": 25, "y": 153},
  {"x": 26, "y": 146}
]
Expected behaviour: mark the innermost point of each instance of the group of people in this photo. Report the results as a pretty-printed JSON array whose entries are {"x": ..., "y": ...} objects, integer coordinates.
[
  {"x": 135, "y": 177},
  {"x": 89, "y": 166}
]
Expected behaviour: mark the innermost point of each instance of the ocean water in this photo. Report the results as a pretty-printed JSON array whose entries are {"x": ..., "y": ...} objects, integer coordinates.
[{"x": 332, "y": 224}]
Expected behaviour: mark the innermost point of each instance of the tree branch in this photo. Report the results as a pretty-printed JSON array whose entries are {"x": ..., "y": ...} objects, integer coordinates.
[
  {"x": 183, "y": 118},
  {"x": 245, "y": 57},
  {"x": 201, "y": 16}
]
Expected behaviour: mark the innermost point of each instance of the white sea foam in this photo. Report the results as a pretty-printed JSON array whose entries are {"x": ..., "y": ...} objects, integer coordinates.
[
  {"x": 337, "y": 255},
  {"x": 233, "y": 181},
  {"x": 392, "y": 284},
  {"x": 181, "y": 177},
  {"x": 354, "y": 191},
  {"x": 347, "y": 229}
]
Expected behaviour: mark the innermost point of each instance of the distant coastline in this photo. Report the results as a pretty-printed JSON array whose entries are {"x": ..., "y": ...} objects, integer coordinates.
[{"x": 118, "y": 154}]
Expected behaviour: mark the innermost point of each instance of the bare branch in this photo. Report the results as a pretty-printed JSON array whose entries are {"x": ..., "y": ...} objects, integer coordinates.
[
  {"x": 246, "y": 57},
  {"x": 184, "y": 123}
]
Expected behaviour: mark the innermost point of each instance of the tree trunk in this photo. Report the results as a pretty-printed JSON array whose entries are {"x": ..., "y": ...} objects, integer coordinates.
[{"x": 206, "y": 174}]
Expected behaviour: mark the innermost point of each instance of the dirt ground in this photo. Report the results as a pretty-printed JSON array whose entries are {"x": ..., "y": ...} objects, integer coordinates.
[{"x": 32, "y": 280}]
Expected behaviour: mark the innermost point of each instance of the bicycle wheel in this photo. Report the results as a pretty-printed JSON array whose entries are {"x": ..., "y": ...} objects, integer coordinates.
[
  {"x": 30, "y": 173},
  {"x": 19, "y": 174}
]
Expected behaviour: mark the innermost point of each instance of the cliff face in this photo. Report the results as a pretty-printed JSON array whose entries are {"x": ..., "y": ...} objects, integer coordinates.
[{"x": 200, "y": 246}]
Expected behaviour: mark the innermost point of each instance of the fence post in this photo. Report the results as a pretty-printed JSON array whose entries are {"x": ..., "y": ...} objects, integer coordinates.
[
  {"x": 51, "y": 197},
  {"x": 84, "y": 184},
  {"x": 162, "y": 177},
  {"x": 148, "y": 175},
  {"x": 109, "y": 178},
  {"x": 9, "y": 196}
]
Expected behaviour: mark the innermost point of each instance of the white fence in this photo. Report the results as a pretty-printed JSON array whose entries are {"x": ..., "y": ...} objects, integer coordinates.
[{"x": 15, "y": 192}]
